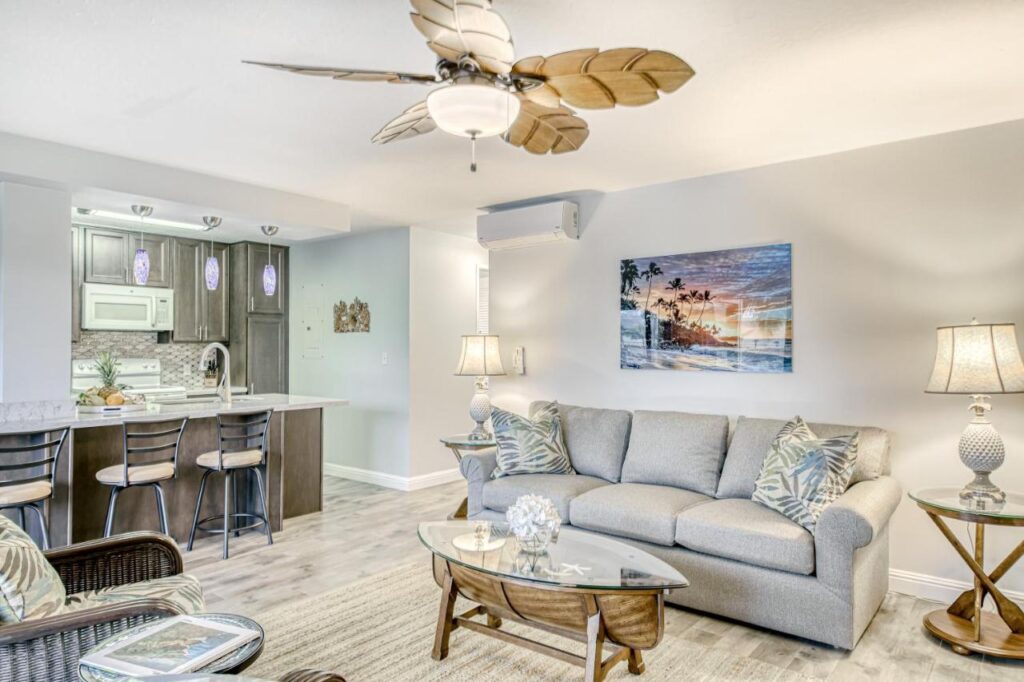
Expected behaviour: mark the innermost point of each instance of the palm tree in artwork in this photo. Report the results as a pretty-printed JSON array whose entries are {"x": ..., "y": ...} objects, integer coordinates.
[
  {"x": 692, "y": 297},
  {"x": 675, "y": 285},
  {"x": 705, "y": 298},
  {"x": 629, "y": 274},
  {"x": 652, "y": 271}
]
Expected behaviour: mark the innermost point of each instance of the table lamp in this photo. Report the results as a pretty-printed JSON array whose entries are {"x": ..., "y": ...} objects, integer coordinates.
[
  {"x": 978, "y": 360},
  {"x": 481, "y": 358}
]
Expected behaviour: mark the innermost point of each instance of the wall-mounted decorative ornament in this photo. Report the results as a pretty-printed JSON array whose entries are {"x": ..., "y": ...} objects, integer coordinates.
[
  {"x": 351, "y": 318},
  {"x": 725, "y": 311}
]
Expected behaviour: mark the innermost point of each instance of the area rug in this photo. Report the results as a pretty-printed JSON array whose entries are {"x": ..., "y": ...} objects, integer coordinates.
[{"x": 382, "y": 628}]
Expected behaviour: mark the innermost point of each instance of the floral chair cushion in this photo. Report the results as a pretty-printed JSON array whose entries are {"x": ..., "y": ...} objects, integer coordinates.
[
  {"x": 183, "y": 590},
  {"x": 29, "y": 586}
]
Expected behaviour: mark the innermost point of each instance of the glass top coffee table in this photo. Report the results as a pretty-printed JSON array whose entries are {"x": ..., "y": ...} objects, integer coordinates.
[{"x": 585, "y": 587}]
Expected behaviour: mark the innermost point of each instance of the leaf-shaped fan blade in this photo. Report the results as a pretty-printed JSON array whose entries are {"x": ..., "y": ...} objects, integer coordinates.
[
  {"x": 539, "y": 129},
  {"x": 454, "y": 28},
  {"x": 414, "y": 121},
  {"x": 350, "y": 74},
  {"x": 591, "y": 79}
]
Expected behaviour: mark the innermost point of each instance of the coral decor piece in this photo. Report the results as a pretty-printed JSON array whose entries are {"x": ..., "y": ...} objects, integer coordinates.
[
  {"x": 351, "y": 318},
  {"x": 534, "y": 521}
]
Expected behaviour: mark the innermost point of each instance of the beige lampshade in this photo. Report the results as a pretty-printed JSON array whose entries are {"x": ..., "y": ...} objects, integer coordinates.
[
  {"x": 481, "y": 357},
  {"x": 977, "y": 359}
]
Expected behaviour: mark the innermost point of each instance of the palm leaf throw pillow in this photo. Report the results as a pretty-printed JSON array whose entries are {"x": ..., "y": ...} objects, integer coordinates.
[
  {"x": 803, "y": 474},
  {"x": 29, "y": 586},
  {"x": 530, "y": 446}
]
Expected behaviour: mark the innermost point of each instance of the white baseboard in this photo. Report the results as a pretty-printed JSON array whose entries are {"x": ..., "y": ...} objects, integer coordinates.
[
  {"x": 404, "y": 483},
  {"x": 935, "y": 588}
]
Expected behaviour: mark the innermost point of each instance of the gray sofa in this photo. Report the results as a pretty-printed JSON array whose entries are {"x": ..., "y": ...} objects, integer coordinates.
[{"x": 679, "y": 485}]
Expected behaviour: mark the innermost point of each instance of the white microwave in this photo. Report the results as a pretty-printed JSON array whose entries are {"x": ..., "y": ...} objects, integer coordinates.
[{"x": 124, "y": 308}]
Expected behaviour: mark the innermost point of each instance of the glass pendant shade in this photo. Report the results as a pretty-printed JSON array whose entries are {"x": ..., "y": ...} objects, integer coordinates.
[
  {"x": 472, "y": 109},
  {"x": 269, "y": 279},
  {"x": 212, "y": 273},
  {"x": 140, "y": 267}
]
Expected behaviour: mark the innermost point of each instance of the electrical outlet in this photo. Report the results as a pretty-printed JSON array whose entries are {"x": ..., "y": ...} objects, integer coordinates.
[{"x": 384, "y": 358}]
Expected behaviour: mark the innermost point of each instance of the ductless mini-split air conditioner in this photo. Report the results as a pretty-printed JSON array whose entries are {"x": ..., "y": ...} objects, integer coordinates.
[{"x": 528, "y": 226}]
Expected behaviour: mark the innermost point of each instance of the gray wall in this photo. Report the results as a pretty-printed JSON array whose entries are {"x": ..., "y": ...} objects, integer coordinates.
[
  {"x": 373, "y": 432},
  {"x": 888, "y": 243}
]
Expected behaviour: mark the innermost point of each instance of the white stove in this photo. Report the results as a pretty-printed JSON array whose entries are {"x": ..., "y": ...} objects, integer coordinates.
[{"x": 141, "y": 376}]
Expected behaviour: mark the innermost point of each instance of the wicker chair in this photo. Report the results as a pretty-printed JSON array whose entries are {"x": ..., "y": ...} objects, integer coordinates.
[
  {"x": 312, "y": 676},
  {"x": 49, "y": 648}
]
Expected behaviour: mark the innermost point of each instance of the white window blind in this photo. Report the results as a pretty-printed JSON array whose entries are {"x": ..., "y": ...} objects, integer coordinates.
[{"x": 483, "y": 300}]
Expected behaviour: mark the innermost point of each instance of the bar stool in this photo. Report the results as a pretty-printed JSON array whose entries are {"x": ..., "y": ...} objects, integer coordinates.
[
  {"x": 243, "y": 448},
  {"x": 32, "y": 476},
  {"x": 139, "y": 468}
]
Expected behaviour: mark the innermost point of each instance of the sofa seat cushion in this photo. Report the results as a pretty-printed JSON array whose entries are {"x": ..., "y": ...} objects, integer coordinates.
[
  {"x": 676, "y": 449},
  {"x": 634, "y": 510},
  {"x": 182, "y": 590},
  {"x": 501, "y": 493},
  {"x": 746, "y": 531},
  {"x": 595, "y": 438}
]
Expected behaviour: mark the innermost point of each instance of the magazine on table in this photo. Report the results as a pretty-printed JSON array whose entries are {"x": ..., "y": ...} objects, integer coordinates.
[{"x": 180, "y": 644}]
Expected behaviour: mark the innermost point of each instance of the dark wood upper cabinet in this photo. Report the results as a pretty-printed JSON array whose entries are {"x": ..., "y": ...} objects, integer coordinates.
[
  {"x": 217, "y": 302},
  {"x": 259, "y": 323},
  {"x": 76, "y": 284},
  {"x": 159, "y": 248},
  {"x": 188, "y": 304},
  {"x": 106, "y": 256}
]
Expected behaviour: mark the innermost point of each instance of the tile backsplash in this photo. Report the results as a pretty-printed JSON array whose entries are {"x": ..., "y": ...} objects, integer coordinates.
[{"x": 179, "y": 362}]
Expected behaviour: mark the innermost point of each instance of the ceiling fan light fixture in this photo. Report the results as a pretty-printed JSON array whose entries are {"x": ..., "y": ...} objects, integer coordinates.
[{"x": 472, "y": 109}]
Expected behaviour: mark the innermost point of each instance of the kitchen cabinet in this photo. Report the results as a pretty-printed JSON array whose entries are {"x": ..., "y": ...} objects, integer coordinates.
[
  {"x": 159, "y": 248},
  {"x": 76, "y": 284},
  {"x": 258, "y": 323},
  {"x": 199, "y": 314},
  {"x": 106, "y": 256},
  {"x": 110, "y": 254}
]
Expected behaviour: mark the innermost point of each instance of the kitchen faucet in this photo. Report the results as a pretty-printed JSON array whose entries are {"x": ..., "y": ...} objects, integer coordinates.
[{"x": 224, "y": 387}]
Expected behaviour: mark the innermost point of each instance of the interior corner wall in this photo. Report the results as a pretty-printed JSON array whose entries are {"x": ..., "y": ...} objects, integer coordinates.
[
  {"x": 442, "y": 291},
  {"x": 889, "y": 242},
  {"x": 35, "y": 293},
  {"x": 371, "y": 434}
]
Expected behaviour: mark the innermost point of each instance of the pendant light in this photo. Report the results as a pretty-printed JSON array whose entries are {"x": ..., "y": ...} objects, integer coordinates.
[
  {"x": 269, "y": 273},
  {"x": 212, "y": 268},
  {"x": 140, "y": 266}
]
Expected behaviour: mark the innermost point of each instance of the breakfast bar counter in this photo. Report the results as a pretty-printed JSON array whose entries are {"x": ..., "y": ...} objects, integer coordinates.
[{"x": 294, "y": 462}]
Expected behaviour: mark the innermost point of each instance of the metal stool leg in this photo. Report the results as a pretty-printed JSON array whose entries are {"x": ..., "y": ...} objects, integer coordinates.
[
  {"x": 263, "y": 504},
  {"x": 238, "y": 503},
  {"x": 199, "y": 503},
  {"x": 161, "y": 507},
  {"x": 108, "y": 529},
  {"x": 227, "y": 510},
  {"x": 44, "y": 531}
]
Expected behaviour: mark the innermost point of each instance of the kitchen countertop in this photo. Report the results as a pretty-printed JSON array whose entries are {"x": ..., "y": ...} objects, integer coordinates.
[{"x": 280, "y": 402}]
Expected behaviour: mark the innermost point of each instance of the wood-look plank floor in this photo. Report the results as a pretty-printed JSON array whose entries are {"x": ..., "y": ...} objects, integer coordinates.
[{"x": 365, "y": 529}]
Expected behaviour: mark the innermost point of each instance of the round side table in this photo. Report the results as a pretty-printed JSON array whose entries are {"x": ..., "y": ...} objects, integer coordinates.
[
  {"x": 459, "y": 444},
  {"x": 964, "y": 624},
  {"x": 234, "y": 662}
]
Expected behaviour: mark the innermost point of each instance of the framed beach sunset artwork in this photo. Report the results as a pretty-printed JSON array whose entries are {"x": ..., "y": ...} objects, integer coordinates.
[{"x": 724, "y": 311}]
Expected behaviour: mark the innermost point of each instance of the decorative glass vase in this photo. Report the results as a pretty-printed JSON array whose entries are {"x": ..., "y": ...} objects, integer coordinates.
[{"x": 535, "y": 543}]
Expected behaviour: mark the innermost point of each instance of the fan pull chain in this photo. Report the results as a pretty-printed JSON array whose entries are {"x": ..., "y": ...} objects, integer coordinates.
[{"x": 472, "y": 152}]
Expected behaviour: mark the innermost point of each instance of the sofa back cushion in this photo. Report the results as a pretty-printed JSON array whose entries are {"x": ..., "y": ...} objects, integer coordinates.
[
  {"x": 754, "y": 437},
  {"x": 676, "y": 449},
  {"x": 595, "y": 438},
  {"x": 29, "y": 586}
]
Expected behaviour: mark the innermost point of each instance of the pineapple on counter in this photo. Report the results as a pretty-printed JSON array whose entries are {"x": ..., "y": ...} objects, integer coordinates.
[{"x": 110, "y": 393}]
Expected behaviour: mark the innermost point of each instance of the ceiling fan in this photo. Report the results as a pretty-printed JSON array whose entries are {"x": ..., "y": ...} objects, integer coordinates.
[{"x": 484, "y": 91}]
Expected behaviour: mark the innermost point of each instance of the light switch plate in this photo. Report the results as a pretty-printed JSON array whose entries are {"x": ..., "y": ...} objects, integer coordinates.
[
  {"x": 519, "y": 360},
  {"x": 384, "y": 358}
]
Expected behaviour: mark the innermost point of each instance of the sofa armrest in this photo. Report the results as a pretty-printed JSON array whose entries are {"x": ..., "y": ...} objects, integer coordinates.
[
  {"x": 853, "y": 521},
  {"x": 477, "y": 468}
]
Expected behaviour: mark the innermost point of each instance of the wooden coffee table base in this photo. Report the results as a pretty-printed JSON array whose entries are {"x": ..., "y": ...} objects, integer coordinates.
[{"x": 628, "y": 621}]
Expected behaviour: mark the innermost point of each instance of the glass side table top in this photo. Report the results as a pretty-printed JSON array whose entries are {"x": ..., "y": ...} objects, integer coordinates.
[
  {"x": 236, "y": 661},
  {"x": 948, "y": 499},
  {"x": 575, "y": 559},
  {"x": 463, "y": 440}
]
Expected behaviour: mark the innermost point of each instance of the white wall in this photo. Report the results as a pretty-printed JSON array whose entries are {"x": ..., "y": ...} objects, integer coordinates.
[
  {"x": 372, "y": 433},
  {"x": 888, "y": 243},
  {"x": 442, "y": 307},
  {"x": 35, "y": 294}
]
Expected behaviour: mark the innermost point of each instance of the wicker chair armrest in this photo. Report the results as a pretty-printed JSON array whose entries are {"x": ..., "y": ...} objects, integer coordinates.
[
  {"x": 87, "y": 619},
  {"x": 119, "y": 560},
  {"x": 309, "y": 675}
]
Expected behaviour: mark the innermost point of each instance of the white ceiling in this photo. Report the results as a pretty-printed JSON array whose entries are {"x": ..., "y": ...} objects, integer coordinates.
[{"x": 776, "y": 80}]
